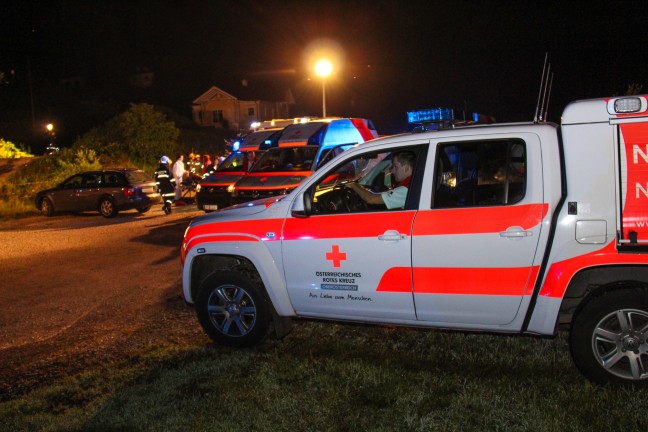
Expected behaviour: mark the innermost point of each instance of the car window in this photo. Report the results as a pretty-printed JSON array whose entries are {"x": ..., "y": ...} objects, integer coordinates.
[
  {"x": 233, "y": 162},
  {"x": 286, "y": 159},
  {"x": 480, "y": 173},
  {"x": 374, "y": 172},
  {"x": 92, "y": 180},
  {"x": 115, "y": 179},
  {"x": 73, "y": 182}
]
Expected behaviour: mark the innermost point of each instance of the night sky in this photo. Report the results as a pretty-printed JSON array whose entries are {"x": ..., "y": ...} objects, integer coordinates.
[{"x": 482, "y": 56}]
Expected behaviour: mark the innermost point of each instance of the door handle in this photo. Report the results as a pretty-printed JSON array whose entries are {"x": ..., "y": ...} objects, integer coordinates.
[
  {"x": 515, "y": 232},
  {"x": 392, "y": 235}
]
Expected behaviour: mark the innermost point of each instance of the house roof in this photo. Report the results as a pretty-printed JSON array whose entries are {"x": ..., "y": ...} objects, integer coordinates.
[{"x": 248, "y": 90}]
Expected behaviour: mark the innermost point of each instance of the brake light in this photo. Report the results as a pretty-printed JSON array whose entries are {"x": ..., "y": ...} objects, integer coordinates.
[{"x": 129, "y": 191}]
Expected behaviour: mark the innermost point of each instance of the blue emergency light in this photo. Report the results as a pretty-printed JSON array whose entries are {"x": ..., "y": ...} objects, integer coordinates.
[
  {"x": 236, "y": 145},
  {"x": 430, "y": 115}
]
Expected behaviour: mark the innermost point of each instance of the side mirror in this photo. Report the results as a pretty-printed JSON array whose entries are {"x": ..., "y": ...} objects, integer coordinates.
[{"x": 302, "y": 208}]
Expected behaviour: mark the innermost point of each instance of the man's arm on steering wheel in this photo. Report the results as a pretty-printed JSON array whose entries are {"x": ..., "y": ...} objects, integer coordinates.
[{"x": 365, "y": 194}]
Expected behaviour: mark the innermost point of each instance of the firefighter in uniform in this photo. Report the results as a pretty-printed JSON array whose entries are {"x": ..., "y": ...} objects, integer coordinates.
[{"x": 166, "y": 183}]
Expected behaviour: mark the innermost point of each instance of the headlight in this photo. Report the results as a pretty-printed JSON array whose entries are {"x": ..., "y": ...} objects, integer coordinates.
[{"x": 231, "y": 189}]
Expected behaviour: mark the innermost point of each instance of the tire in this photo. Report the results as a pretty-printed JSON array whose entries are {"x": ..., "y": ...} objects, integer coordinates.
[
  {"x": 46, "y": 207},
  {"x": 107, "y": 208},
  {"x": 167, "y": 209},
  {"x": 233, "y": 310},
  {"x": 609, "y": 338},
  {"x": 144, "y": 209}
]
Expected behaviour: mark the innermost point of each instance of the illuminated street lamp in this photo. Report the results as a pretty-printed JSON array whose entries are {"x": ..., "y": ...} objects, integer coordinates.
[
  {"x": 323, "y": 68},
  {"x": 51, "y": 148}
]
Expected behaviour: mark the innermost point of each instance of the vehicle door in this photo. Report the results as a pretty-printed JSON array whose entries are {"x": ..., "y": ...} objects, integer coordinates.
[
  {"x": 88, "y": 194},
  {"x": 65, "y": 196},
  {"x": 347, "y": 259},
  {"x": 474, "y": 245}
]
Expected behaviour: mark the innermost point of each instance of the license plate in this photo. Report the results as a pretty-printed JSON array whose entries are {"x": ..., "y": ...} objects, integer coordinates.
[{"x": 210, "y": 207}]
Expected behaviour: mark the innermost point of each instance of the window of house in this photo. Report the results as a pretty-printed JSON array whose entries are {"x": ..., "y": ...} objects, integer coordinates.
[
  {"x": 480, "y": 173},
  {"x": 250, "y": 111},
  {"x": 218, "y": 116}
]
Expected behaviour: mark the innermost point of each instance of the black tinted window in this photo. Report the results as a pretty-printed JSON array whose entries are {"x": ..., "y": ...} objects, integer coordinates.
[{"x": 480, "y": 173}]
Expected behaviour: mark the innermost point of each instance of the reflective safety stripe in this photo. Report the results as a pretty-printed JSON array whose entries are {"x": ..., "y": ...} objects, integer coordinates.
[
  {"x": 479, "y": 219},
  {"x": 460, "y": 281},
  {"x": 348, "y": 225},
  {"x": 561, "y": 273}
]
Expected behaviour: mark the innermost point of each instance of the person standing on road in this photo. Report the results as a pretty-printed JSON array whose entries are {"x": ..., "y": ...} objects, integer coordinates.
[
  {"x": 165, "y": 183},
  {"x": 178, "y": 173}
]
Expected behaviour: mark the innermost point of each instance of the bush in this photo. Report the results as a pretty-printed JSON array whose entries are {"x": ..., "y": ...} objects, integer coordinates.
[
  {"x": 142, "y": 134},
  {"x": 8, "y": 150},
  {"x": 17, "y": 191}
]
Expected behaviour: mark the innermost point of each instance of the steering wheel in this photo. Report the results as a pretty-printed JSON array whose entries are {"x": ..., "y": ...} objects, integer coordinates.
[{"x": 352, "y": 201}]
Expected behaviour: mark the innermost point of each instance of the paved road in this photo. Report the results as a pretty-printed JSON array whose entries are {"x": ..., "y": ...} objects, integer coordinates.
[{"x": 79, "y": 290}]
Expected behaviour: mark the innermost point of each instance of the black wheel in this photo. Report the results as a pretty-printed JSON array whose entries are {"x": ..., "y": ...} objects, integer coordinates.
[
  {"x": 609, "y": 338},
  {"x": 107, "y": 208},
  {"x": 167, "y": 208},
  {"x": 144, "y": 209},
  {"x": 233, "y": 310},
  {"x": 46, "y": 207}
]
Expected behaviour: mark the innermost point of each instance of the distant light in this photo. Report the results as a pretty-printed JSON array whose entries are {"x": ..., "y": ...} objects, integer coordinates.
[
  {"x": 430, "y": 115},
  {"x": 50, "y": 127},
  {"x": 627, "y": 105},
  {"x": 255, "y": 125}
]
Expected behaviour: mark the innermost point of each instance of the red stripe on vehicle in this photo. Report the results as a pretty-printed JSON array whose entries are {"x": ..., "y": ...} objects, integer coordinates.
[
  {"x": 255, "y": 228},
  {"x": 348, "y": 225},
  {"x": 478, "y": 220},
  {"x": 561, "y": 273},
  {"x": 293, "y": 143},
  {"x": 218, "y": 238},
  {"x": 515, "y": 281}
]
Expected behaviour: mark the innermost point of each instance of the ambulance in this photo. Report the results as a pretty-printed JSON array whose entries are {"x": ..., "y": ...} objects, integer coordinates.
[
  {"x": 214, "y": 191},
  {"x": 521, "y": 228},
  {"x": 302, "y": 148}
]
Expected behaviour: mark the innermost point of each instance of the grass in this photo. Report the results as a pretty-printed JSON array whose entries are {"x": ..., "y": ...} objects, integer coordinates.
[{"x": 330, "y": 377}]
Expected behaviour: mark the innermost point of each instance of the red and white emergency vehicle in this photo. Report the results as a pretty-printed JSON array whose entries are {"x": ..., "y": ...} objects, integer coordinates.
[
  {"x": 524, "y": 228},
  {"x": 302, "y": 148},
  {"x": 214, "y": 191}
]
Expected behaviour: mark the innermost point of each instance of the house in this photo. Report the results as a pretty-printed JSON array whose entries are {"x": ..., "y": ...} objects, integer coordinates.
[{"x": 240, "y": 105}]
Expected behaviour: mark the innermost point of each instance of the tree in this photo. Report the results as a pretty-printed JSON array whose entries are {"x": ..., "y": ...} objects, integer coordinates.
[{"x": 142, "y": 134}]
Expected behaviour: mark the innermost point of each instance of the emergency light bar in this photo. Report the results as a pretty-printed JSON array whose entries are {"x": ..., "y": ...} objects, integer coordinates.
[
  {"x": 236, "y": 145},
  {"x": 430, "y": 115}
]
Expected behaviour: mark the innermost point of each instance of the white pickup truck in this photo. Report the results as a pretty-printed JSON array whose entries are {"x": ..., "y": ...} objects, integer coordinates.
[{"x": 524, "y": 228}]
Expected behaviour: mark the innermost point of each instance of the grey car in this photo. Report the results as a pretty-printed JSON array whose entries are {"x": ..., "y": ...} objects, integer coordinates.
[{"x": 107, "y": 192}]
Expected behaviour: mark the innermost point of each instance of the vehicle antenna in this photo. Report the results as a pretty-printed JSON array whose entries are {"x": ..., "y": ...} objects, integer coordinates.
[
  {"x": 542, "y": 80},
  {"x": 544, "y": 93},
  {"x": 548, "y": 96}
]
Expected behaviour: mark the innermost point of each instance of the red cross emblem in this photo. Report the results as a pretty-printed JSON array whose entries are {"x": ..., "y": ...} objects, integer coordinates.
[{"x": 336, "y": 256}]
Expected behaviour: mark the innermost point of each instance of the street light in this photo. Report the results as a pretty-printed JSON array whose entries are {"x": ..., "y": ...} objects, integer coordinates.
[
  {"x": 323, "y": 68},
  {"x": 51, "y": 148}
]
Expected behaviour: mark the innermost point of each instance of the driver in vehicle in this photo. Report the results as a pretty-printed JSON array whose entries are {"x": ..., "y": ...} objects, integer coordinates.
[{"x": 401, "y": 169}]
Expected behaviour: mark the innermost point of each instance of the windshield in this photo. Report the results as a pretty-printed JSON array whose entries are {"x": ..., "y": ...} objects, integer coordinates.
[
  {"x": 233, "y": 162},
  {"x": 287, "y": 159}
]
